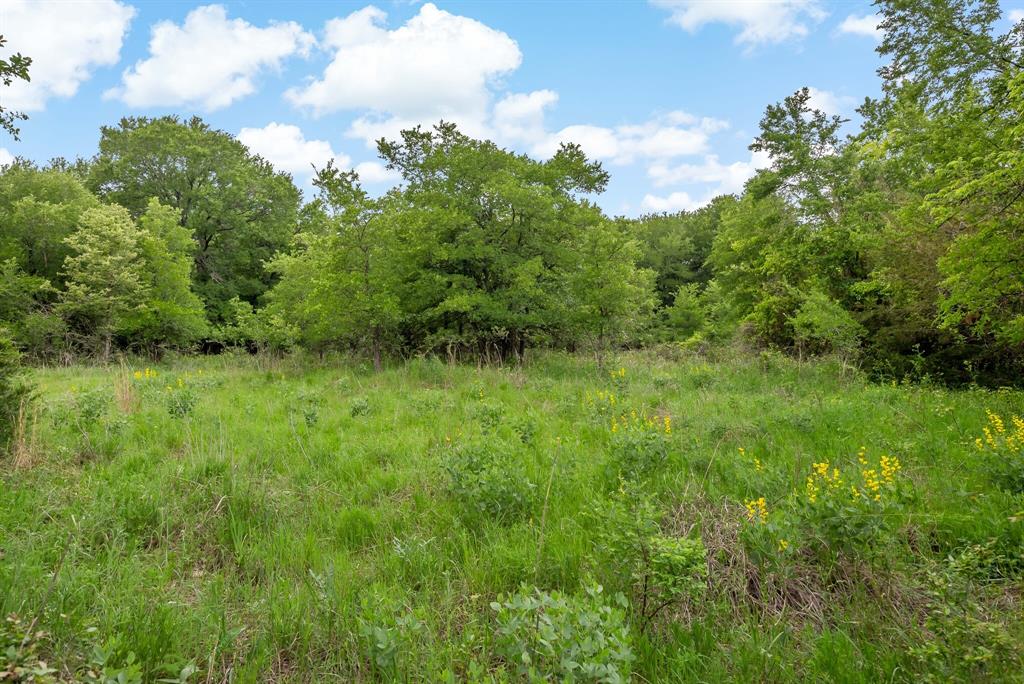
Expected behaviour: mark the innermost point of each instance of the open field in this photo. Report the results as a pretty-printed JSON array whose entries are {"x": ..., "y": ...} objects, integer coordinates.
[{"x": 287, "y": 521}]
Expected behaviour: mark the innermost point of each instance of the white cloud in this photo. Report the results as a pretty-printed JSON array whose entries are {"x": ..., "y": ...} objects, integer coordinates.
[
  {"x": 676, "y": 201},
  {"x": 1016, "y": 15},
  {"x": 714, "y": 177},
  {"x": 520, "y": 116},
  {"x": 375, "y": 172},
  {"x": 437, "y": 65},
  {"x": 759, "y": 21},
  {"x": 67, "y": 41},
  {"x": 829, "y": 102},
  {"x": 209, "y": 61},
  {"x": 286, "y": 147},
  {"x": 671, "y": 135},
  {"x": 726, "y": 178},
  {"x": 862, "y": 26},
  {"x": 5, "y": 157}
]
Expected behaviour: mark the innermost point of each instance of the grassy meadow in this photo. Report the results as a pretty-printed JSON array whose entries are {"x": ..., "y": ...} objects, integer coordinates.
[{"x": 748, "y": 519}]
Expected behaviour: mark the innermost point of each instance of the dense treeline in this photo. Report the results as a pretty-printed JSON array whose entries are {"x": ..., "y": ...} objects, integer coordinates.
[{"x": 901, "y": 243}]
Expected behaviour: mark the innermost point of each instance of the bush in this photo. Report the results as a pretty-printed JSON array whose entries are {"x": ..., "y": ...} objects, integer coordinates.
[
  {"x": 553, "y": 637},
  {"x": 483, "y": 479},
  {"x": 639, "y": 446},
  {"x": 659, "y": 570},
  {"x": 15, "y": 391},
  {"x": 1002, "y": 448}
]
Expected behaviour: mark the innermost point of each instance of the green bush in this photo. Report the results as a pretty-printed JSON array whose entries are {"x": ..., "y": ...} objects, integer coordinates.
[
  {"x": 637, "y": 453},
  {"x": 15, "y": 391},
  {"x": 484, "y": 479},
  {"x": 632, "y": 552},
  {"x": 549, "y": 636}
]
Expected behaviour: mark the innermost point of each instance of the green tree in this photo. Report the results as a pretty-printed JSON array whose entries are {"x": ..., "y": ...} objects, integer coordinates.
[
  {"x": 484, "y": 239},
  {"x": 676, "y": 246},
  {"x": 106, "y": 280},
  {"x": 172, "y": 314},
  {"x": 610, "y": 295},
  {"x": 239, "y": 211},
  {"x": 39, "y": 208},
  {"x": 338, "y": 286},
  {"x": 13, "y": 68}
]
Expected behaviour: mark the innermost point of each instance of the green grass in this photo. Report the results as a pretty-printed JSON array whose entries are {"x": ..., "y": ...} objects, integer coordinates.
[{"x": 296, "y": 507}]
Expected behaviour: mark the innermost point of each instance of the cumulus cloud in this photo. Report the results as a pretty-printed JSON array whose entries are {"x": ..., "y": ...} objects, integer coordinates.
[
  {"x": 67, "y": 41},
  {"x": 862, "y": 26},
  {"x": 285, "y": 146},
  {"x": 676, "y": 201},
  {"x": 520, "y": 116},
  {"x": 1016, "y": 15},
  {"x": 5, "y": 157},
  {"x": 829, "y": 102},
  {"x": 209, "y": 61},
  {"x": 435, "y": 66},
  {"x": 759, "y": 21},
  {"x": 375, "y": 172},
  {"x": 717, "y": 179},
  {"x": 727, "y": 178},
  {"x": 671, "y": 135}
]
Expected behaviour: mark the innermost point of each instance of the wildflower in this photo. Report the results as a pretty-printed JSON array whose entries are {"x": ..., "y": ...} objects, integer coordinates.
[
  {"x": 137, "y": 375},
  {"x": 997, "y": 421},
  {"x": 811, "y": 489},
  {"x": 757, "y": 464},
  {"x": 668, "y": 425},
  {"x": 757, "y": 509},
  {"x": 783, "y": 545},
  {"x": 890, "y": 466}
]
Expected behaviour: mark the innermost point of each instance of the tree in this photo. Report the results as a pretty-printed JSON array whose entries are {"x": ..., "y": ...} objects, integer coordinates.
[
  {"x": 172, "y": 314},
  {"x": 484, "y": 238},
  {"x": 239, "y": 211},
  {"x": 105, "y": 275},
  {"x": 39, "y": 208},
  {"x": 338, "y": 285},
  {"x": 676, "y": 246},
  {"x": 610, "y": 295},
  {"x": 15, "y": 67}
]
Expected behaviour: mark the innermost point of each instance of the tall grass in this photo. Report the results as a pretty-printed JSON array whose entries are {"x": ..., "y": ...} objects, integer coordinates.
[{"x": 298, "y": 521}]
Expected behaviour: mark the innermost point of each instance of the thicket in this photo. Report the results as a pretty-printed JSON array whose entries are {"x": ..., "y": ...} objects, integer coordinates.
[{"x": 896, "y": 245}]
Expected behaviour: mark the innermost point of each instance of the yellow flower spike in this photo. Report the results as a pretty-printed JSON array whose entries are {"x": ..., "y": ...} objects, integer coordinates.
[
  {"x": 757, "y": 464},
  {"x": 978, "y": 443},
  {"x": 668, "y": 425},
  {"x": 783, "y": 545}
]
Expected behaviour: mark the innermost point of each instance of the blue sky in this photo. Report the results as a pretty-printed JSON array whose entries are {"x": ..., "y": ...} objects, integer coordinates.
[{"x": 667, "y": 94}]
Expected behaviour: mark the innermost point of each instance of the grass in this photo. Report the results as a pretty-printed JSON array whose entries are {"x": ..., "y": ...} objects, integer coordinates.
[{"x": 301, "y": 521}]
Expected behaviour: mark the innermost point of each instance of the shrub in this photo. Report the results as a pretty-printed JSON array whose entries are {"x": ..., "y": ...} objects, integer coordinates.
[
  {"x": 639, "y": 446},
  {"x": 15, "y": 392},
  {"x": 1002, "y": 448},
  {"x": 549, "y": 636},
  {"x": 359, "y": 407},
  {"x": 488, "y": 415},
  {"x": 659, "y": 570},
  {"x": 180, "y": 399},
  {"x": 483, "y": 479},
  {"x": 388, "y": 633},
  {"x": 847, "y": 510},
  {"x": 964, "y": 642},
  {"x": 839, "y": 509}
]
